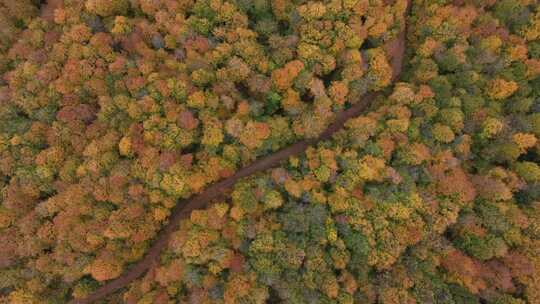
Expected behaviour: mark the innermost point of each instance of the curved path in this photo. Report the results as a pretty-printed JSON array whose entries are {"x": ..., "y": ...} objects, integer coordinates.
[{"x": 183, "y": 209}]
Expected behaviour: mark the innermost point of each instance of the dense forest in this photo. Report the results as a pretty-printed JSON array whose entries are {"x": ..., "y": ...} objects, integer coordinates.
[{"x": 114, "y": 113}]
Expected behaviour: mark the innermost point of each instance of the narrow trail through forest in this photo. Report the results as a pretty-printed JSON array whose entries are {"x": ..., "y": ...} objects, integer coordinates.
[{"x": 395, "y": 48}]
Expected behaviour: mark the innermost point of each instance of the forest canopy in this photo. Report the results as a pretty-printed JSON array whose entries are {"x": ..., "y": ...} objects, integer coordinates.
[{"x": 114, "y": 112}]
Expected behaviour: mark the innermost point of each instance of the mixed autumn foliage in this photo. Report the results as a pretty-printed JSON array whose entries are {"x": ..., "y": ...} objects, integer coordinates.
[{"x": 112, "y": 111}]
